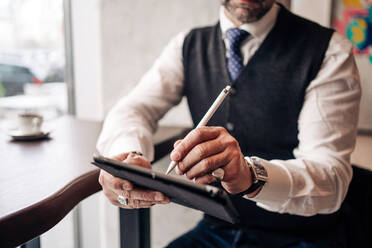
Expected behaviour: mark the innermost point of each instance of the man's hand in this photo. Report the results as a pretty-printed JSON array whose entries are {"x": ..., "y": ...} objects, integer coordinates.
[
  {"x": 136, "y": 197},
  {"x": 204, "y": 150}
]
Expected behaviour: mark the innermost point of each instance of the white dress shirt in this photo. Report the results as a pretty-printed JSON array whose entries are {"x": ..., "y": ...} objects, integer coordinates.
[{"x": 316, "y": 181}]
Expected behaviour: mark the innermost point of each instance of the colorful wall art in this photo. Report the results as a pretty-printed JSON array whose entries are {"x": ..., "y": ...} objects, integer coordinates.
[
  {"x": 353, "y": 18},
  {"x": 355, "y": 21}
]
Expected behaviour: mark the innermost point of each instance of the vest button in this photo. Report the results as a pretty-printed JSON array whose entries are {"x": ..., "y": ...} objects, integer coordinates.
[{"x": 230, "y": 126}]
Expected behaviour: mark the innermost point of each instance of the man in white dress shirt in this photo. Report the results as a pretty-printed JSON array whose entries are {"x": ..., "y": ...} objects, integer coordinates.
[{"x": 294, "y": 107}]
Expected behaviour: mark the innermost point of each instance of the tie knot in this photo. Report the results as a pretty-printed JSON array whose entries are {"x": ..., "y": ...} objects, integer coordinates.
[{"x": 236, "y": 35}]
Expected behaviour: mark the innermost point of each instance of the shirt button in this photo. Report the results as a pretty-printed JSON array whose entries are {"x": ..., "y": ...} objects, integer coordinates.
[{"x": 230, "y": 126}]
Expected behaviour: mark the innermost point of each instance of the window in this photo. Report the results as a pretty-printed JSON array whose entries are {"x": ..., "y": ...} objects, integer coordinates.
[{"x": 32, "y": 59}]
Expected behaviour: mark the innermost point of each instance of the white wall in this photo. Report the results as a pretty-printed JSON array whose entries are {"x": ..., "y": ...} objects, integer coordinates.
[
  {"x": 316, "y": 10},
  {"x": 116, "y": 42},
  {"x": 86, "y": 39},
  {"x": 134, "y": 34},
  {"x": 365, "y": 71}
]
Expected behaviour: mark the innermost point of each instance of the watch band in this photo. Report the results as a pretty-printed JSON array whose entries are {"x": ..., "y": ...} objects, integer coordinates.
[
  {"x": 258, "y": 174},
  {"x": 252, "y": 188}
]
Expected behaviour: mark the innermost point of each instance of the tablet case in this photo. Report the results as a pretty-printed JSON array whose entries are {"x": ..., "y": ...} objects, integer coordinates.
[{"x": 209, "y": 199}]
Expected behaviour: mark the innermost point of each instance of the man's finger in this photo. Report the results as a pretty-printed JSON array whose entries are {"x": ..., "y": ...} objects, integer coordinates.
[
  {"x": 137, "y": 160},
  {"x": 206, "y": 179},
  {"x": 133, "y": 204},
  {"x": 208, "y": 165},
  {"x": 192, "y": 139},
  {"x": 178, "y": 171},
  {"x": 127, "y": 185},
  {"x": 137, "y": 204},
  {"x": 198, "y": 153},
  {"x": 120, "y": 157},
  {"x": 143, "y": 194},
  {"x": 176, "y": 143},
  {"x": 114, "y": 183}
]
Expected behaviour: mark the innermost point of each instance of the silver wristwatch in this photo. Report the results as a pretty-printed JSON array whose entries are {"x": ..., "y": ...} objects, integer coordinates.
[{"x": 258, "y": 173}]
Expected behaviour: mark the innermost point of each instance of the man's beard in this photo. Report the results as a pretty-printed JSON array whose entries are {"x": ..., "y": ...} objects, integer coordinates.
[{"x": 252, "y": 14}]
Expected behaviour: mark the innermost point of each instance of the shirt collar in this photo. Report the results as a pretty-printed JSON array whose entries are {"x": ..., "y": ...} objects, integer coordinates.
[{"x": 258, "y": 29}]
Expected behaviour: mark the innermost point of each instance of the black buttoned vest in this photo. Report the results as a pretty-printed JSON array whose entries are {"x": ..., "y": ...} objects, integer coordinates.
[{"x": 263, "y": 110}]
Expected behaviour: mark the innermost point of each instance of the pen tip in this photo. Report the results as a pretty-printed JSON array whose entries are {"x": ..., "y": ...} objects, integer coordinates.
[{"x": 168, "y": 170}]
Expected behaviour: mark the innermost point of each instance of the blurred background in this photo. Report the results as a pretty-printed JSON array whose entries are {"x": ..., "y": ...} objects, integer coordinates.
[
  {"x": 79, "y": 57},
  {"x": 32, "y": 59}
]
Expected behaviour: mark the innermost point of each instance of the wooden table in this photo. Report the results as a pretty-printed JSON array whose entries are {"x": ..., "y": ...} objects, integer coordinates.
[{"x": 41, "y": 181}]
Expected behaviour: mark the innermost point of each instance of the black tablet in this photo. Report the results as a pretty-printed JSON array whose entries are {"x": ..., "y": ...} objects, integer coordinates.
[{"x": 209, "y": 199}]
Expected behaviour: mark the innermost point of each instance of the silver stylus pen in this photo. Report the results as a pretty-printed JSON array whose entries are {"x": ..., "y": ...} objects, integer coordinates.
[{"x": 206, "y": 118}]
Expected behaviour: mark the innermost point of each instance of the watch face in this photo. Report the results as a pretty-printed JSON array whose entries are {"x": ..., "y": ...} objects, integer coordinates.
[{"x": 260, "y": 170}]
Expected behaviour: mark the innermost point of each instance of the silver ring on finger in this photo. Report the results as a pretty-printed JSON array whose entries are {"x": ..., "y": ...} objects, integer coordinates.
[
  {"x": 122, "y": 200},
  {"x": 218, "y": 174}
]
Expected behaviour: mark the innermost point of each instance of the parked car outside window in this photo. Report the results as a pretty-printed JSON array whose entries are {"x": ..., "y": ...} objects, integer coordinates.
[{"x": 14, "y": 77}]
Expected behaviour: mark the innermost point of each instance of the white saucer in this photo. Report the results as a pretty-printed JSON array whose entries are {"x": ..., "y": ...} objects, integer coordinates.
[{"x": 20, "y": 136}]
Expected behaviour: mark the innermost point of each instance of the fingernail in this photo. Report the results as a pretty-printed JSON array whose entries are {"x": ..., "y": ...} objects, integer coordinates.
[
  {"x": 159, "y": 197},
  {"x": 125, "y": 186},
  {"x": 175, "y": 155}
]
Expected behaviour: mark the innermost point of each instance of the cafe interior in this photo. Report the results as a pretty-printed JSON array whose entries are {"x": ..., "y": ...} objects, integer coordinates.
[{"x": 79, "y": 58}]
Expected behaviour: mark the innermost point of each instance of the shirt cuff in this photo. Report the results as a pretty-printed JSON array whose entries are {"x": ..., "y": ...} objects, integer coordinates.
[
  {"x": 120, "y": 146},
  {"x": 129, "y": 143},
  {"x": 275, "y": 193}
]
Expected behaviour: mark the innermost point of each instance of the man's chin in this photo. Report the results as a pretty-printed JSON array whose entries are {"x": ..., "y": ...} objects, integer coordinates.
[{"x": 245, "y": 15}]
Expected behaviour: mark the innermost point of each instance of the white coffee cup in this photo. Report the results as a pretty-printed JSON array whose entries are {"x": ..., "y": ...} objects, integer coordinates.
[{"x": 29, "y": 123}]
